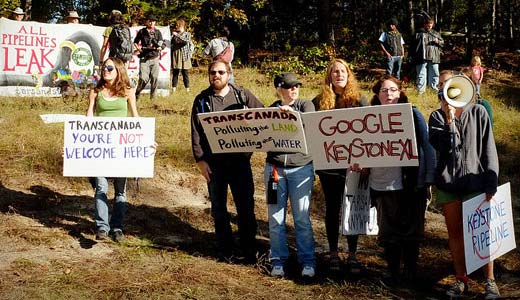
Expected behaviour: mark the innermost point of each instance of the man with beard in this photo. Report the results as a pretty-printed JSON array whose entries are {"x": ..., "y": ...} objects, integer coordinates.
[{"x": 223, "y": 169}]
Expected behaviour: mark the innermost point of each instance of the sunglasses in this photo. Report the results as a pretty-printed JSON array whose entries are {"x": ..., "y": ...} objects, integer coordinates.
[
  {"x": 220, "y": 72},
  {"x": 109, "y": 68}
]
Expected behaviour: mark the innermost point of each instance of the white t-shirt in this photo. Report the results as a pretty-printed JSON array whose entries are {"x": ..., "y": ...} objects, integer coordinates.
[{"x": 386, "y": 179}]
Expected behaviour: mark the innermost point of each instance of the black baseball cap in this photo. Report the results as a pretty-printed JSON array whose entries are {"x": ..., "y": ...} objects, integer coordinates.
[{"x": 286, "y": 80}]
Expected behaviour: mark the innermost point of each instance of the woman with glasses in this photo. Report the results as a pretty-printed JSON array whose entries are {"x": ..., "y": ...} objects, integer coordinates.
[
  {"x": 401, "y": 193},
  {"x": 111, "y": 97},
  {"x": 340, "y": 90},
  {"x": 290, "y": 176}
]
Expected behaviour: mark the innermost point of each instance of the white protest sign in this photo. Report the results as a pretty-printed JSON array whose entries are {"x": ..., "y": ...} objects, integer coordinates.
[
  {"x": 37, "y": 57},
  {"x": 488, "y": 228},
  {"x": 57, "y": 118},
  {"x": 259, "y": 129},
  {"x": 357, "y": 216},
  {"x": 375, "y": 136},
  {"x": 109, "y": 147}
]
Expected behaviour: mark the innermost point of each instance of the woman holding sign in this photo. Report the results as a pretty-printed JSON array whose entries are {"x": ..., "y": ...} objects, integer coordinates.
[
  {"x": 468, "y": 166},
  {"x": 112, "y": 97},
  {"x": 290, "y": 175},
  {"x": 401, "y": 193},
  {"x": 340, "y": 90}
]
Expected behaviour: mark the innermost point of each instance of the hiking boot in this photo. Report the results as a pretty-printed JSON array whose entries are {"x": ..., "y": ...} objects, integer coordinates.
[
  {"x": 457, "y": 289},
  {"x": 277, "y": 271},
  {"x": 118, "y": 235},
  {"x": 308, "y": 272},
  {"x": 353, "y": 265},
  {"x": 101, "y": 234},
  {"x": 491, "y": 289},
  {"x": 334, "y": 263}
]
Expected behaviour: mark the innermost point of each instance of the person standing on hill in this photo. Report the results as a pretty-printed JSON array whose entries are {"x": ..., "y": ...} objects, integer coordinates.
[
  {"x": 293, "y": 175},
  {"x": 182, "y": 50},
  {"x": 112, "y": 97},
  {"x": 149, "y": 43},
  {"x": 392, "y": 44},
  {"x": 118, "y": 37},
  {"x": 401, "y": 193},
  {"x": 339, "y": 90},
  {"x": 467, "y": 166},
  {"x": 221, "y": 48},
  {"x": 73, "y": 17},
  {"x": 427, "y": 56},
  {"x": 18, "y": 14},
  {"x": 223, "y": 169}
]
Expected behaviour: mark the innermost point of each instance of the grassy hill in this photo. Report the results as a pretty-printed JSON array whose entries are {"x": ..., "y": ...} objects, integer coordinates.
[{"x": 47, "y": 245}]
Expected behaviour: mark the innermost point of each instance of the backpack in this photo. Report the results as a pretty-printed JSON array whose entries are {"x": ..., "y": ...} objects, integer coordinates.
[
  {"x": 121, "y": 42},
  {"x": 225, "y": 55}
]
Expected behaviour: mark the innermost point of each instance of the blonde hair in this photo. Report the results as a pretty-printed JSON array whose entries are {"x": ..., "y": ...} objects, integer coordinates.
[
  {"x": 475, "y": 61},
  {"x": 349, "y": 98}
]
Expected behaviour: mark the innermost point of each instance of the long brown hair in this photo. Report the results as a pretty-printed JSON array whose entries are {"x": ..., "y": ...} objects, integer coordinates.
[
  {"x": 121, "y": 83},
  {"x": 349, "y": 98}
]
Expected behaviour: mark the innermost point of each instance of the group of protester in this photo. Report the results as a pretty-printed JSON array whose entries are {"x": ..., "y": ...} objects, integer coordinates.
[
  {"x": 466, "y": 163},
  {"x": 463, "y": 170}
]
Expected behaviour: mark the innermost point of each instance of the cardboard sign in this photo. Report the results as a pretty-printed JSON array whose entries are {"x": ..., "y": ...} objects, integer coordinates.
[
  {"x": 250, "y": 130},
  {"x": 108, "y": 147},
  {"x": 38, "y": 57},
  {"x": 357, "y": 216},
  {"x": 375, "y": 136},
  {"x": 488, "y": 228}
]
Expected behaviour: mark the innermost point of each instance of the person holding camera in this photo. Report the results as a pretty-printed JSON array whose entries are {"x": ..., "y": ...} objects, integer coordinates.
[
  {"x": 149, "y": 43},
  {"x": 290, "y": 175}
]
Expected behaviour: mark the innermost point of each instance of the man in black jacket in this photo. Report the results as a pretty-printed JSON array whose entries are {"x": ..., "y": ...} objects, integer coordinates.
[
  {"x": 221, "y": 170},
  {"x": 149, "y": 42}
]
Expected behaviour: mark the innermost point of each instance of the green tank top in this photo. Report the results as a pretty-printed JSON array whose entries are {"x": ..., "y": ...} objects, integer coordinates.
[{"x": 117, "y": 107}]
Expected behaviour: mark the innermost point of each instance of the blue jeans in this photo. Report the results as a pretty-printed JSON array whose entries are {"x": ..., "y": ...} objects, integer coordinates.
[
  {"x": 296, "y": 184},
  {"x": 430, "y": 69},
  {"x": 391, "y": 63},
  {"x": 101, "y": 217}
]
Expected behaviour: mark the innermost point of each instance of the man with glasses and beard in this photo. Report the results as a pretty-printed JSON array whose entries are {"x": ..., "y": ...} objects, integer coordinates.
[{"x": 223, "y": 169}]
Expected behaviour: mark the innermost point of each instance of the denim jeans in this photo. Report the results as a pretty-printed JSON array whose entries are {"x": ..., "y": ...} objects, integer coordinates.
[
  {"x": 296, "y": 184},
  {"x": 430, "y": 69},
  {"x": 391, "y": 63},
  {"x": 103, "y": 222},
  {"x": 235, "y": 172}
]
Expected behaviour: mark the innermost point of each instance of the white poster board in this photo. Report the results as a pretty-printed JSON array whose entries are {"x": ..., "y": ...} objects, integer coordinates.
[
  {"x": 250, "y": 130},
  {"x": 357, "y": 216},
  {"x": 375, "y": 136},
  {"x": 109, "y": 147},
  {"x": 488, "y": 228},
  {"x": 37, "y": 57}
]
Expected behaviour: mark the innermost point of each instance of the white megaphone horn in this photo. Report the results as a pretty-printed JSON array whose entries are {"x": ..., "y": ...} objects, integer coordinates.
[{"x": 458, "y": 91}]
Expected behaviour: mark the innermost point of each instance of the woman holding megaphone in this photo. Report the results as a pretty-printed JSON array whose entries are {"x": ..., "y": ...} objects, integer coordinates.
[{"x": 467, "y": 165}]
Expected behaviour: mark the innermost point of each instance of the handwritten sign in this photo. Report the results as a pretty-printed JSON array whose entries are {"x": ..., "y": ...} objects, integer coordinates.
[
  {"x": 249, "y": 130},
  {"x": 375, "y": 136},
  {"x": 488, "y": 228},
  {"x": 37, "y": 57},
  {"x": 109, "y": 147},
  {"x": 357, "y": 216}
]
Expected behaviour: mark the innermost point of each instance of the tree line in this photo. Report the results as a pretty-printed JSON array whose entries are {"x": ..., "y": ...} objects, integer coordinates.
[{"x": 309, "y": 30}]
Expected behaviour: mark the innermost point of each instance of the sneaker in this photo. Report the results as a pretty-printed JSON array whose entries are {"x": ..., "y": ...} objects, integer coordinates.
[
  {"x": 277, "y": 271},
  {"x": 187, "y": 90},
  {"x": 491, "y": 289},
  {"x": 308, "y": 271},
  {"x": 118, "y": 235},
  {"x": 457, "y": 289},
  {"x": 101, "y": 234}
]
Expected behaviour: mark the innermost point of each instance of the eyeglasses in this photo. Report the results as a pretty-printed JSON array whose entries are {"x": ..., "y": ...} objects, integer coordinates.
[
  {"x": 109, "y": 68},
  {"x": 391, "y": 90},
  {"x": 220, "y": 72}
]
